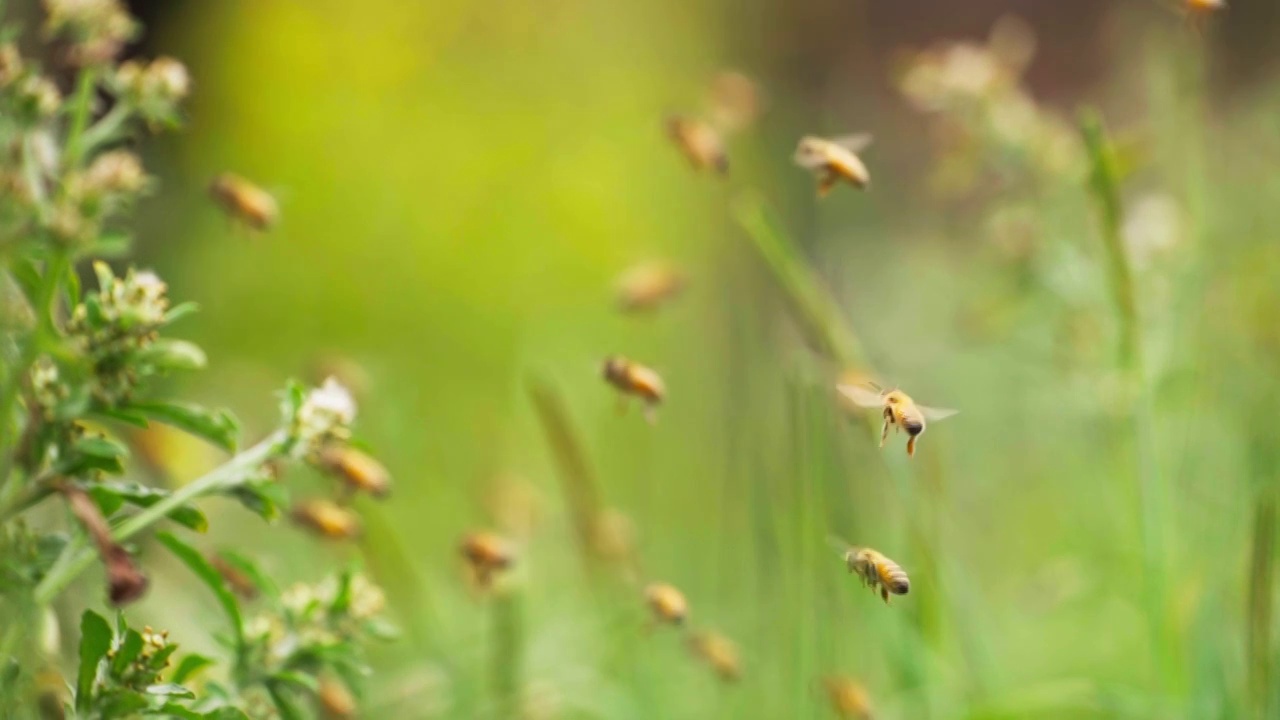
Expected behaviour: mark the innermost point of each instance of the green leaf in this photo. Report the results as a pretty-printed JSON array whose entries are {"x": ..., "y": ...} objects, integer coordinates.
[
  {"x": 226, "y": 713},
  {"x": 342, "y": 598},
  {"x": 265, "y": 585},
  {"x": 169, "y": 690},
  {"x": 179, "y": 311},
  {"x": 125, "y": 416},
  {"x": 177, "y": 711},
  {"x": 72, "y": 287},
  {"x": 380, "y": 629},
  {"x": 217, "y": 426},
  {"x": 95, "y": 453},
  {"x": 106, "y": 278},
  {"x": 111, "y": 245},
  {"x": 291, "y": 401},
  {"x": 285, "y": 705},
  {"x": 302, "y": 680},
  {"x": 95, "y": 641},
  {"x": 128, "y": 650},
  {"x": 262, "y": 496},
  {"x": 146, "y": 496},
  {"x": 121, "y": 703},
  {"x": 206, "y": 572},
  {"x": 168, "y": 354},
  {"x": 189, "y": 665}
]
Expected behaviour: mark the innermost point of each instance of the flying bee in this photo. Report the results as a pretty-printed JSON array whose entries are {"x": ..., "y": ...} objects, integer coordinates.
[
  {"x": 358, "y": 470},
  {"x": 486, "y": 554},
  {"x": 874, "y": 569},
  {"x": 898, "y": 408},
  {"x": 667, "y": 603},
  {"x": 719, "y": 652},
  {"x": 700, "y": 142},
  {"x": 1205, "y": 6},
  {"x": 244, "y": 202},
  {"x": 649, "y": 285},
  {"x": 634, "y": 379},
  {"x": 327, "y": 519},
  {"x": 848, "y": 698},
  {"x": 834, "y": 160}
]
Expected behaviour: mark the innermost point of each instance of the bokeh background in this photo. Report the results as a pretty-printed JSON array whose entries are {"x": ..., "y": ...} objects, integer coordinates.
[{"x": 461, "y": 182}]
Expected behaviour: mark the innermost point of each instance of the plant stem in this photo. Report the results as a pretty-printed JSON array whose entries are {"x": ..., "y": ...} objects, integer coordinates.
[
  {"x": 80, "y": 116},
  {"x": 79, "y": 557},
  {"x": 1105, "y": 184},
  {"x": 508, "y": 641},
  {"x": 105, "y": 128},
  {"x": 1261, "y": 580}
]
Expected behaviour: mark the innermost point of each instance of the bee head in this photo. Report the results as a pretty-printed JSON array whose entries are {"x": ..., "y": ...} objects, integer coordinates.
[
  {"x": 809, "y": 151},
  {"x": 614, "y": 366}
]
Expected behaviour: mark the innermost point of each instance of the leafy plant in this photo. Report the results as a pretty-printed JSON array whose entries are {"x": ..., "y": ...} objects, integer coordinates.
[{"x": 77, "y": 374}]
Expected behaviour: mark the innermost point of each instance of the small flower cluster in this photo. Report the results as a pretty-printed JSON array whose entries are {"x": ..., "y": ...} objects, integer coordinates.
[
  {"x": 985, "y": 110},
  {"x": 95, "y": 30}
]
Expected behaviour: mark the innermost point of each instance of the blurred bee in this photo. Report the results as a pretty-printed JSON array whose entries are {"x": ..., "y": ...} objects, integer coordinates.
[
  {"x": 327, "y": 519},
  {"x": 335, "y": 700},
  {"x": 486, "y": 555},
  {"x": 667, "y": 603},
  {"x": 647, "y": 286},
  {"x": 700, "y": 142},
  {"x": 874, "y": 569},
  {"x": 899, "y": 410},
  {"x": 358, "y": 470},
  {"x": 848, "y": 698},
  {"x": 1206, "y": 6},
  {"x": 634, "y": 379},
  {"x": 733, "y": 103},
  {"x": 235, "y": 578},
  {"x": 244, "y": 202},
  {"x": 834, "y": 160},
  {"x": 734, "y": 99},
  {"x": 719, "y": 652}
]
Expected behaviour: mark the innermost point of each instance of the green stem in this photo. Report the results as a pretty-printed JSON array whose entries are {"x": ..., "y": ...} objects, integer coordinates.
[
  {"x": 1261, "y": 580},
  {"x": 508, "y": 641},
  {"x": 235, "y": 468},
  {"x": 106, "y": 129},
  {"x": 80, "y": 116}
]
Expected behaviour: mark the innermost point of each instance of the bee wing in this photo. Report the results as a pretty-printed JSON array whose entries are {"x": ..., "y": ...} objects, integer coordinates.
[
  {"x": 854, "y": 143},
  {"x": 931, "y": 413},
  {"x": 861, "y": 396}
]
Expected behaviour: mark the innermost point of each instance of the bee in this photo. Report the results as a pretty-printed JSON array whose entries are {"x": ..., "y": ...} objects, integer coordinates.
[
  {"x": 235, "y": 578},
  {"x": 327, "y": 519},
  {"x": 667, "y": 603},
  {"x": 874, "y": 569},
  {"x": 834, "y": 160},
  {"x": 486, "y": 554},
  {"x": 647, "y": 286},
  {"x": 700, "y": 142},
  {"x": 358, "y": 470},
  {"x": 634, "y": 379},
  {"x": 734, "y": 100},
  {"x": 1206, "y": 6},
  {"x": 719, "y": 652},
  {"x": 848, "y": 698},
  {"x": 899, "y": 410},
  {"x": 335, "y": 700},
  {"x": 244, "y": 201}
]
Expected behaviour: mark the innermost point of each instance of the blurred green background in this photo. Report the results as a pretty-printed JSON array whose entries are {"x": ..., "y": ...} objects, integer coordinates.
[{"x": 462, "y": 181}]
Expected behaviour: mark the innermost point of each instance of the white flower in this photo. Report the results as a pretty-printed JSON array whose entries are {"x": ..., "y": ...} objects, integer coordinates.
[
  {"x": 367, "y": 598},
  {"x": 325, "y": 415}
]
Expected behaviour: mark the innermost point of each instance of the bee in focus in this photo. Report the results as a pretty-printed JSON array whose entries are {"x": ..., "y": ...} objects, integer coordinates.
[
  {"x": 244, "y": 202},
  {"x": 719, "y": 652},
  {"x": 667, "y": 603},
  {"x": 358, "y": 470},
  {"x": 327, "y": 519},
  {"x": 649, "y": 285},
  {"x": 486, "y": 554},
  {"x": 874, "y": 569},
  {"x": 898, "y": 408},
  {"x": 634, "y": 379},
  {"x": 834, "y": 160},
  {"x": 848, "y": 698},
  {"x": 700, "y": 142}
]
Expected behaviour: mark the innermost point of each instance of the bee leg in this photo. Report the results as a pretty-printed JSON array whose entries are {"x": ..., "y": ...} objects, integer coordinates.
[
  {"x": 651, "y": 414},
  {"x": 911, "y": 446},
  {"x": 884, "y": 593},
  {"x": 884, "y": 432},
  {"x": 826, "y": 181}
]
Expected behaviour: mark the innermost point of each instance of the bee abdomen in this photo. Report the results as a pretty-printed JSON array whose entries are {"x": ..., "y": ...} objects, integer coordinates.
[
  {"x": 913, "y": 426},
  {"x": 895, "y": 578}
]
